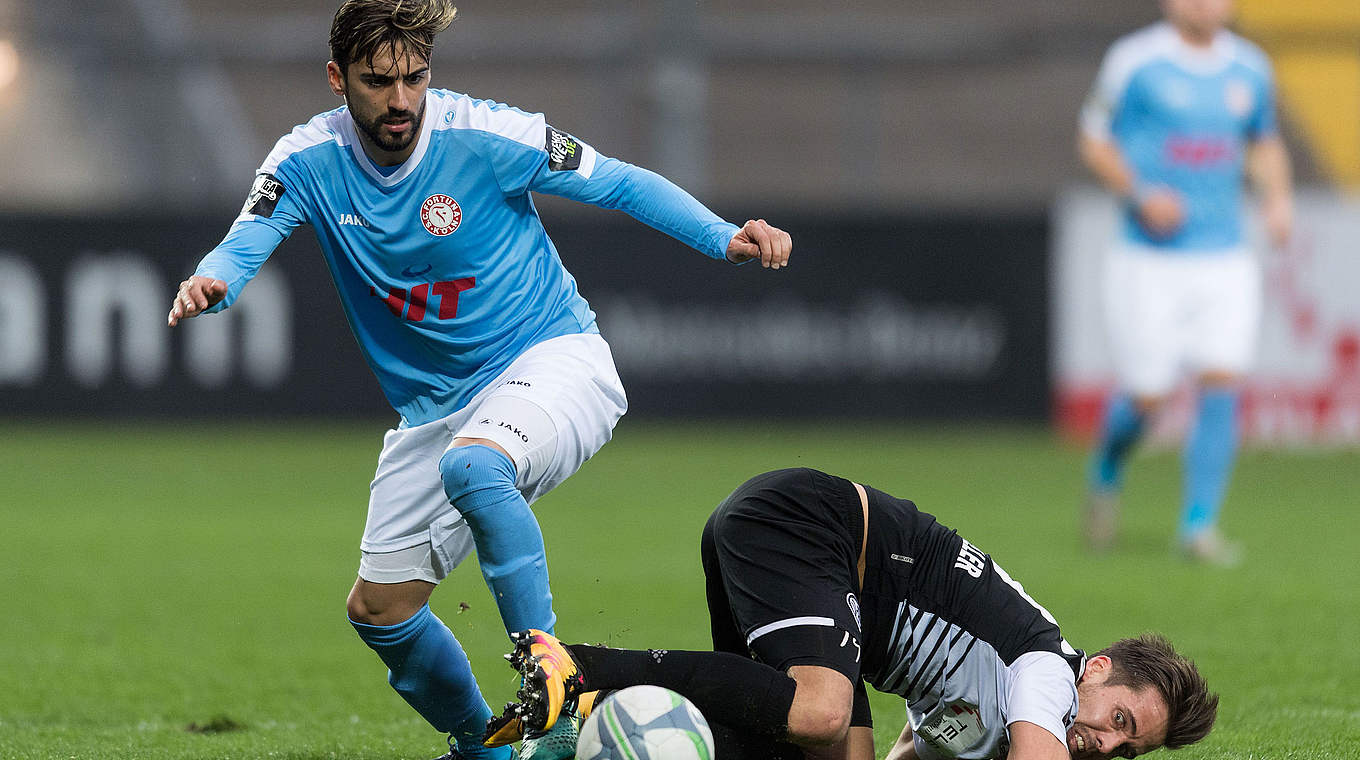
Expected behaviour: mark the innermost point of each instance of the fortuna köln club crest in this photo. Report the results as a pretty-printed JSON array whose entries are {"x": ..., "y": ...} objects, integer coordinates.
[{"x": 440, "y": 214}]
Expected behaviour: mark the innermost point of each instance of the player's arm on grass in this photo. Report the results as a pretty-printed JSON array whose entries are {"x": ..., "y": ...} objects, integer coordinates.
[
  {"x": 905, "y": 747},
  {"x": 590, "y": 177},
  {"x": 858, "y": 744}
]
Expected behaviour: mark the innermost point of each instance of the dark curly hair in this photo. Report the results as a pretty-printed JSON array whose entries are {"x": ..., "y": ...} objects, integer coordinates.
[
  {"x": 363, "y": 27},
  {"x": 1150, "y": 660}
]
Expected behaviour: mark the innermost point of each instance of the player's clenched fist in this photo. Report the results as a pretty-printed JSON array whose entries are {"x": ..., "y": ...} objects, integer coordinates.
[
  {"x": 195, "y": 294},
  {"x": 1162, "y": 212},
  {"x": 757, "y": 239}
]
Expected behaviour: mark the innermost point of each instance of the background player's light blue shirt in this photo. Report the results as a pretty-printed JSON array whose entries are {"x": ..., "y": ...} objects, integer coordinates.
[
  {"x": 1183, "y": 118},
  {"x": 443, "y": 266}
]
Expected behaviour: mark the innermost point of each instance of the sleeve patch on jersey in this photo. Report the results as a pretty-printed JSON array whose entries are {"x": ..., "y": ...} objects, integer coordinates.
[
  {"x": 564, "y": 151},
  {"x": 264, "y": 195}
]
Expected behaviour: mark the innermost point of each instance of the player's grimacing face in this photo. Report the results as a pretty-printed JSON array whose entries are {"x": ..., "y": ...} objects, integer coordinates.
[
  {"x": 1115, "y": 721},
  {"x": 386, "y": 99}
]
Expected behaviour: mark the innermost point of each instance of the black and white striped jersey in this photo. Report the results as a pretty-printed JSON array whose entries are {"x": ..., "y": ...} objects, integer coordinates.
[{"x": 951, "y": 632}]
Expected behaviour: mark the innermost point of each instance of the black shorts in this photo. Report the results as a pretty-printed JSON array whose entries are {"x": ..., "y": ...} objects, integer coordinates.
[{"x": 781, "y": 560}]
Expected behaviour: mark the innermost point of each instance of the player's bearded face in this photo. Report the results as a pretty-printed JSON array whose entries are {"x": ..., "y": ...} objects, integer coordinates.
[{"x": 387, "y": 99}]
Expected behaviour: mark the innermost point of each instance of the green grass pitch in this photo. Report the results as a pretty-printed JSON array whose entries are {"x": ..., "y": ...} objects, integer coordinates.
[{"x": 159, "y": 577}]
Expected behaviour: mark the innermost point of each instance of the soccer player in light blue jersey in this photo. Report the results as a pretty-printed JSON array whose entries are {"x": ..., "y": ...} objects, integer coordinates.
[
  {"x": 1180, "y": 111},
  {"x": 420, "y": 199}
]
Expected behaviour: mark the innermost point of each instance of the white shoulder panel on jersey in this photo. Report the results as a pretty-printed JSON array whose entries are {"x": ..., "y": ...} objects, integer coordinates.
[
  {"x": 1136, "y": 50},
  {"x": 458, "y": 111},
  {"x": 1128, "y": 54},
  {"x": 1249, "y": 54},
  {"x": 489, "y": 116},
  {"x": 321, "y": 128}
]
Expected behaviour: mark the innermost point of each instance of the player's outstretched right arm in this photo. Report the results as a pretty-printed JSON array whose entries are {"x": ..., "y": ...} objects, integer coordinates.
[{"x": 195, "y": 295}]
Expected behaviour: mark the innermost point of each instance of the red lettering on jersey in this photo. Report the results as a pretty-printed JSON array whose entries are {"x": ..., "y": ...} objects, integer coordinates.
[
  {"x": 396, "y": 300},
  {"x": 448, "y": 295},
  {"x": 416, "y": 306},
  {"x": 1197, "y": 152},
  {"x": 416, "y": 312}
]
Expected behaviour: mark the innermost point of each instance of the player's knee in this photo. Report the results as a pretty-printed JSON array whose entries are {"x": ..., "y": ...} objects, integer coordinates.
[
  {"x": 357, "y": 609},
  {"x": 367, "y": 606},
  {"x": 475, "y": 476}
]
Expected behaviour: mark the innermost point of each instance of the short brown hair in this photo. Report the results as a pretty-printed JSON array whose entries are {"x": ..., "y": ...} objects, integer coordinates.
[
  {"x": 1150, "y": 660},
  {"x": 363, "y": 27}
]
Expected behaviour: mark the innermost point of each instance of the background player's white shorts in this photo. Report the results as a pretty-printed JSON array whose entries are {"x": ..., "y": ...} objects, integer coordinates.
[
  {"x": 551, "y": 409},
  {"x": 1169, "y": 313}
]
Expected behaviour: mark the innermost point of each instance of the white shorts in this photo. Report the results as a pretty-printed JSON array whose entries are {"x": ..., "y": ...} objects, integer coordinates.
[
  {"x": 1169, "y": 313},
  {"x": 551, "y": 410}
]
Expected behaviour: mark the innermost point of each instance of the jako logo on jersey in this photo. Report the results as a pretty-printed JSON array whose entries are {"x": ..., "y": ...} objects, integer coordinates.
[
  {"x": 351, "y": 219},
  {"x": 853, "y": 604},
  {"x": 440, "y": 214},
  {"x": 970, "y": 560},
  {"x": 514, "y": 431}
]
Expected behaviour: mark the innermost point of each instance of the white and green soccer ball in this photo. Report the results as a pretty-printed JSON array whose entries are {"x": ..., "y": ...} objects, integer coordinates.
[{"x": 645, "y": 723}]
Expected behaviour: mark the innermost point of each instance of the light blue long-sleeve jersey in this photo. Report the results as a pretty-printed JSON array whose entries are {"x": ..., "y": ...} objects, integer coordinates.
[
  {"x": 443, "y": 266},
  {"x": 1183, "y": 118}
]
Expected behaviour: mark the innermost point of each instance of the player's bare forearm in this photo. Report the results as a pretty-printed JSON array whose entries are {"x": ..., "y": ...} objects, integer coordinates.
[
  {"x": 194, "y": 296},
  {"x": 1106, "y": 162},
  {"x": 904, "y": 748},
  {"x": 1270, "y": 171},
  {"x": 1268, "y": 166}
]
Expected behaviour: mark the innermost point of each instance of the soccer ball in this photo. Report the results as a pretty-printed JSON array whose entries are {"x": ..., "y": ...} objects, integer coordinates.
[{"x": 645, "y": 723}]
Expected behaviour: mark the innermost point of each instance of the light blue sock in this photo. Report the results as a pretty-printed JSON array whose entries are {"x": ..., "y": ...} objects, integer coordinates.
[
  {"x": 430, "y": 671},
  {"x": 1122, "y": 428},
  {"x": 1209, "y": 454},
  {"x": 480, "y": 482}
]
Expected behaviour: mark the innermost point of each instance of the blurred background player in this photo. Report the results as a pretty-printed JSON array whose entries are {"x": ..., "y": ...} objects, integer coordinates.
[
  {"x": 420, "y": 200},
  {"x": 808, "y": 603},
  {"x": 1179, "y": 110}
]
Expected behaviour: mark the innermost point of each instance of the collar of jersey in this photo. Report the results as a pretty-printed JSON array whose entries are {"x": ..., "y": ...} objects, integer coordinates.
[
  {"x": 1200, "y": 61},
  {"x": 422, "y": 144}
]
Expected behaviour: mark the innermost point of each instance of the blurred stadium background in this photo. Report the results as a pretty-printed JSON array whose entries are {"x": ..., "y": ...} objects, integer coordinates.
[{"x": 922, "y": 155}]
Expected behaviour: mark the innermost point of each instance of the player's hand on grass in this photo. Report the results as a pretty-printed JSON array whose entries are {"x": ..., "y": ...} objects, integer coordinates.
[
  {"x": 1161, "y": 212},
  {"x": 195, "y": 294},
  {"x": 757, "y": 239}
]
